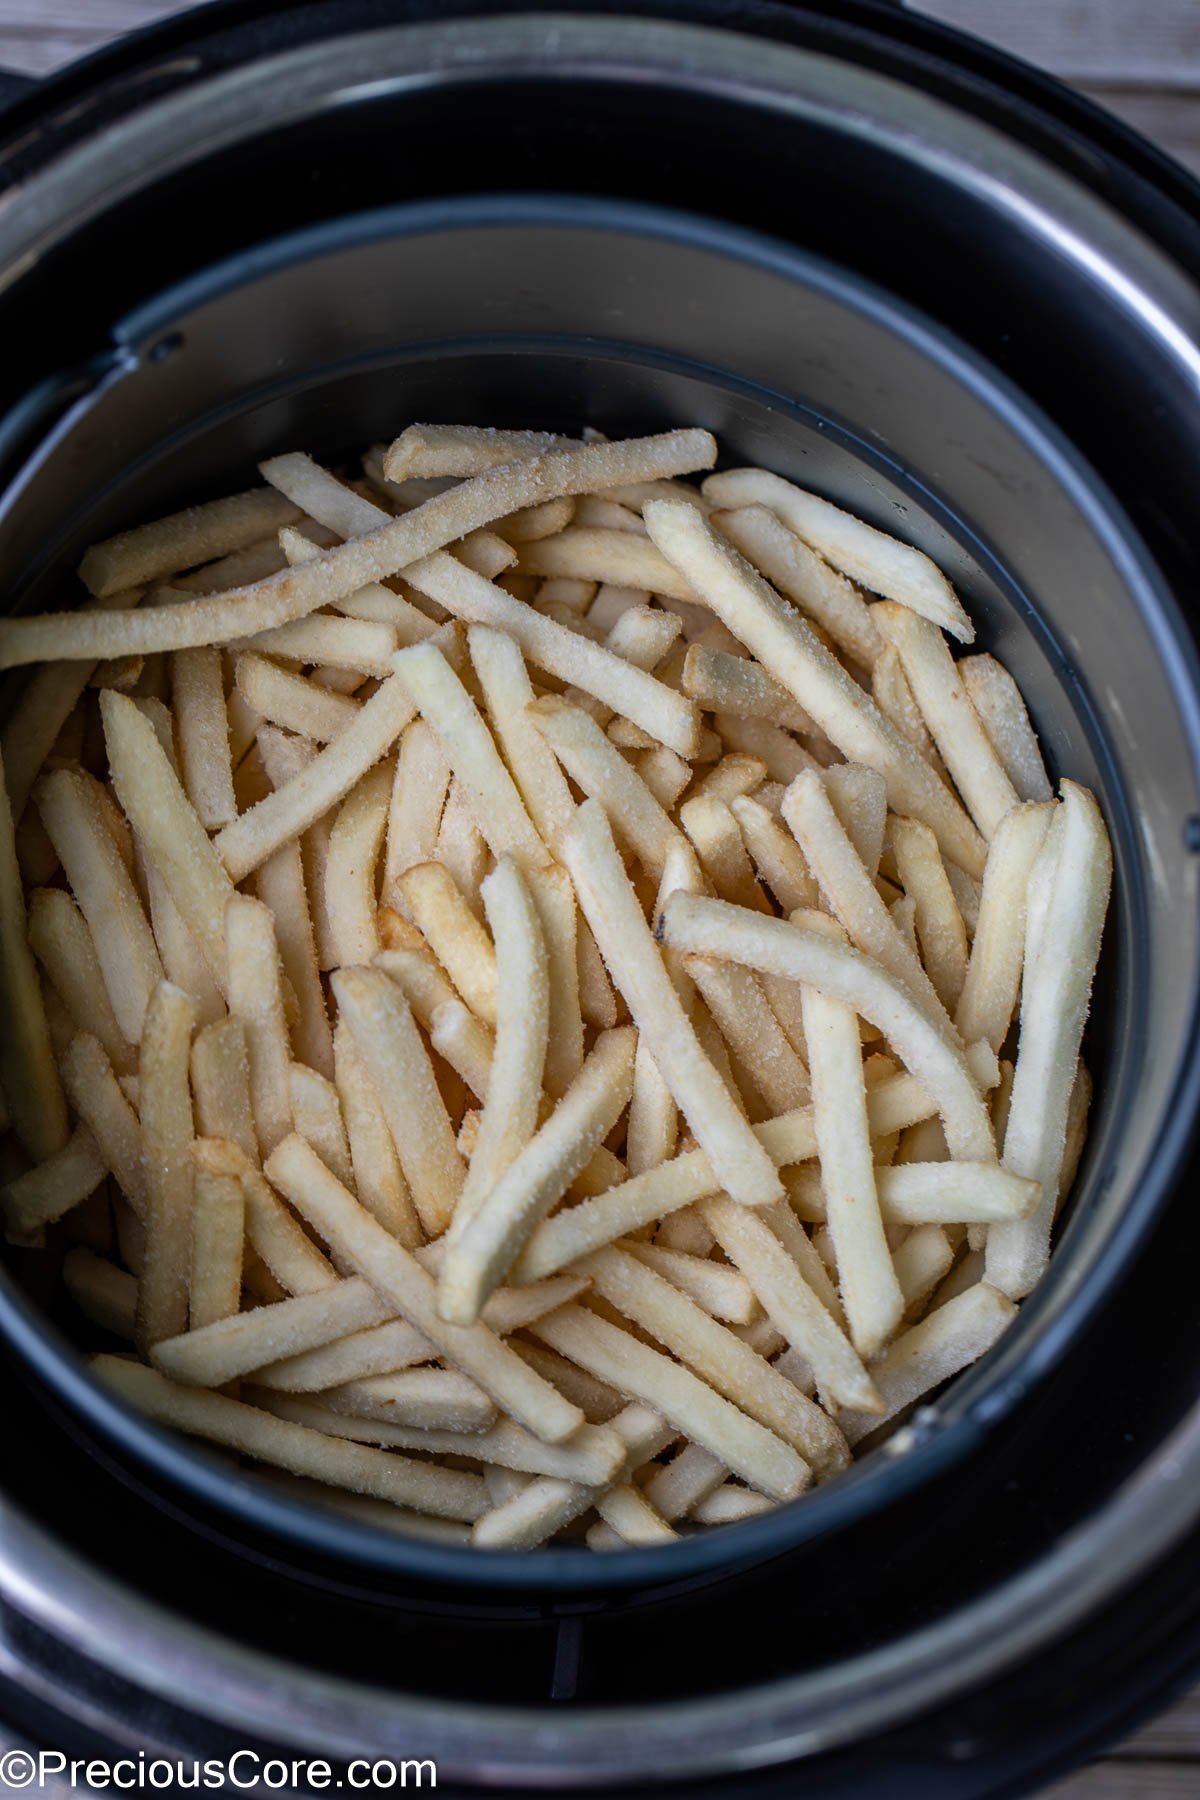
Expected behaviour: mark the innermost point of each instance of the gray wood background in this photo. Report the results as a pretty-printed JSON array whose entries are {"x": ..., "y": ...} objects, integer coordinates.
[{"x": 1141, "y": 58}]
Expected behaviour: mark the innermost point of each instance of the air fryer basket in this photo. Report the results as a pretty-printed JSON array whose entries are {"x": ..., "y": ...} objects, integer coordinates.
[{"x": 618, "y": 309}]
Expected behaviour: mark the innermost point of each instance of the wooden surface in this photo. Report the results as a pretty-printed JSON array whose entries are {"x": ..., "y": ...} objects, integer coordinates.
[{"x": 1141, "y": 58}]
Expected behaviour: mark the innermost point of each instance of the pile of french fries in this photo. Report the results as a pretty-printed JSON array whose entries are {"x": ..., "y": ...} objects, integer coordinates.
[{"x": 541, "y": 999}]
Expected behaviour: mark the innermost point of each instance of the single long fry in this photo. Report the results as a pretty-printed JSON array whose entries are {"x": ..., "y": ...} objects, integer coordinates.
[
  {"x": 398, "y": 1278},
  {"x": 997, "y": 699},
  {"x": 96, "y": 1096},
  {"x": 612, "y": 911},
  {"x": 165, "y": 1105},
  {"x": 364, "y": 646},
  {"x": 790, "y": 650},
  {"x": 470, "y": 749},
  {"x": 419, "y": 789},
  {"x": 520, "y": 1198},
  {"x": 932, "y": 1193},
  {"x": 626, "y": 559},
  {"x": 53, "y": 1187},
  {"x": 869, "y": 1288},
  {"x": 75, "y": 818},
  {"x": 462, "y": 449},
  {"x": 294, "y": 701},
  {"x": 714, "y": 928},
  {"x": 183, "y": 539},
  {"x": 993, "y": 976},
  {"x": 159, "y": 810},
  {"x": 379, "y": 1018},
  {"x": 27, "y": 1072},
  {"x": 220, "y": 1073},
  {"x": 939, "y": 925},
  {"x": 198, "y": 692},
  {"x": 280, "y": 884},
  {"x": 872, "y": 558},
  {"x": 385, "y": 1475},
  {"x": 510, "y": 1110},
  {"x": 1062, "y": 944},
  {"x": 218, "y": 1235},
  {"x": 354, "y": 846},
  {"x": 256, "y": 998},
  {"x": 453, "y": 933}
]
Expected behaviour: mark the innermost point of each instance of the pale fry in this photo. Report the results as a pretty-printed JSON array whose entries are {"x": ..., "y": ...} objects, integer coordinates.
[
  {"x": 858, "y": 796},
  {"x": 96, "y": 1095},
  {"x": 735, "y": 684},
  {"x": 364, "y": 646},
  {"x": 165, "y": 821},
  {"x": 688, "y": 1403},
  {"x": 869, "y": 1289},
  {"x": 719, "y": 1289},
  {"x": 62, "y": 943},
  {"x": 350, "y": 871},
  {"x": 622, "y": 558},
  {"x": 851, "y": 894},
  {"x": 946, "y": 1341},
  {"x": 507, "y": 693},
  {"x": 398, "y": 1278},
  {"x": 939, "y": 925},
  {"x": 419, "y": 789},
  {"x": 804, "y": 578},
  {"x": 951, "y": 718},
  {"x": 302, "y": 800},
  {"x": 75, "y": 819},
  {"x": 165, "y": 1105},
  {"x": 383, "y": 1474},
  {"x": 790, "y": 650},
  {"x": 997, "y": 699},
  {"x": 737, "y": 1003},
  {"x": 378, "y": 1178},
  {"x": 778, "y": 858},
  {"x": 554, "y": 898},
  {"x": 27, "y": 1072},
  {"x": 294, "y": 702},
  {"x": 933, "y": 1193},
  {"x": 471, "y": 752},
  {"x": 668, "y": 716},
  {"x": 1078, "y": 874},
  {"x": 714, "y": 928},
  {"x": 429, "y": 1399},
  {"x": 317, "y": 1116},
  {"x": 221, "y": 1085},
  {"x": 218, "y": 1234},
  {"x": 462, "y": 449},
  {"x": 281, "y": 886},
  {"x": 514, "y": 1090},
  {"x": 51, "y": 1188},
  {"x": 532, "y": 1513},
  {"x": 453, "y": 933},
  {"x": 105, "y": 1294},
  {"x": 387, "y": 1038},
  {"x": 872, "y": 558},
  {"x": 198, "y": 693},
  {"x": 256, "y": 998},
  {"x": 611, "y": 908},
  {"x": 603, "y": 773},
  {"x": 993, "y": 976},
  {"x": 181, "y": 540},
  {"x": 495, "y": 1233}
]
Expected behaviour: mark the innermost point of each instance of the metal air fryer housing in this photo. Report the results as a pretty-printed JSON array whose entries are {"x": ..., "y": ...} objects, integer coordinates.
[{"x": 872, "y": 255}]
